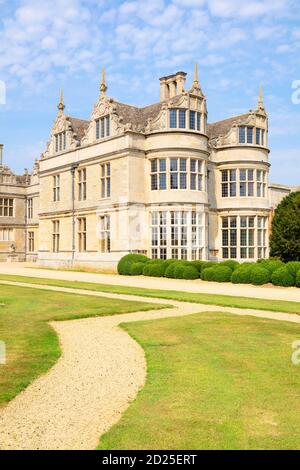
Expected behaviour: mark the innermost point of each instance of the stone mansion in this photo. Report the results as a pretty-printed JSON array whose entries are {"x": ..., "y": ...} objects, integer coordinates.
[{"x": 157, "y": 180}]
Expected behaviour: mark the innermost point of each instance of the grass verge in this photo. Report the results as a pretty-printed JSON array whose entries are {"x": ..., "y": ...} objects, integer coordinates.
[
  {"x": 215, "y": 381},
  {"x": 207, "y": 299},
  {"x": 32, "y": 345}
]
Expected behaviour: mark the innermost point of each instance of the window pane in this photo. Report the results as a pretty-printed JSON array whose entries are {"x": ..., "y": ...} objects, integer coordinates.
[
  {"x": 242, "y": 135},
  {"x": 173, "y": 118},
  {"x": 182, "y": 113},
  {"x": 192, "y": 119},
  {"x": 250, "y": 135}
]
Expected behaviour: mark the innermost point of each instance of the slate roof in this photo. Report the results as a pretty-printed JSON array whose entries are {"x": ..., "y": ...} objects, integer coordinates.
[
  {"x": 218, "y": 128},
  {"x": 79, "y": 126}
]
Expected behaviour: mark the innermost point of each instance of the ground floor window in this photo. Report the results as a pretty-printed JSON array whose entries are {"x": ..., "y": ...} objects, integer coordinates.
[
  {"x": 55, "y": 235},
  {"x": 82, "y": 234},
  {"x": 31, "y": 242},
  {"x": 244, "y": 237},
  {"x": 177, "y": 234},
  {"x": 105, "y": 236},
  {"x": 6, "y": 234}
]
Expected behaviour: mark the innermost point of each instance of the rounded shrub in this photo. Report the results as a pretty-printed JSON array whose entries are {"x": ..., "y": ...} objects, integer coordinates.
[
  {"x": 190, "y": 272},
  {"x": 222, "y": 273},
  {"x": 207, "y": 274},
  {"x": 231, "y": 263},
  {"x": 260, "y": 275},
  {"x": 125, "y": 263},
  {"x": 293, "y": 267},
  {"x": 179, "y": 270},
  {"x": 271, "y": 264},
  {"x": 207, "y": 264},
  {"x": 283, "y": 277},
  {"x": 298, "y": 279},
  {"x": 198, "y": 265},
  {"x": 137, "y": 269},
  {"x": 156, "y": 269},
  {"x": 242, "y": 275},
  {"x": 169, "y": 272}
]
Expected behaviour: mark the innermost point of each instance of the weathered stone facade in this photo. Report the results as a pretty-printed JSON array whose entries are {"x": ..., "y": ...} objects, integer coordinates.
[{"x": 157, "y": 180}]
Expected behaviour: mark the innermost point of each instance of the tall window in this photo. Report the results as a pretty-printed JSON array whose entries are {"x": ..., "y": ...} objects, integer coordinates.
[
  {"x": 182, "y": 113},
  {"x": 56, "y": 188},
  {"x": 179, "y": 241},
  {"x": 103, "y": 127},
  {"x": 105, "y": 234},
  {"x": 247, "y": 237},
  {"x": 260, "y": 136},
  {"x": 30, "y": 208},
  {"x": 178, "y": 173},
  {"x": 196, "y": 174},
  {"x": 246, "y": 182},
  {"x": 82, "y": 184},
  {"x": 82, "y": 234},
  {"x": 229, "y": 237},
  {"x": 173, "y": 118},
  {"x": 159, "y": 235},
  {"x": 31, "y": 242},
  {"x": 244, "y": 237},
  {"x": 177, "y": 234},
  {"x": 60, "y": 141},
  {"x": 262, "y": 237},
  {"x": 6, "y": 207},
  {"x": 228, "y": 183},
  {"x": 261, "y": 183},
  {"x": 105, "y": 180},
  {"x": 6, "y": 235},
  {"x": 55, "y": 235},
  {"x": 159, "y": 174}
]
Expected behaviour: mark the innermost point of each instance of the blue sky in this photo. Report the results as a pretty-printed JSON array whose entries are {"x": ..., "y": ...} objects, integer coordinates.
[{"x": 238, "y": 44}]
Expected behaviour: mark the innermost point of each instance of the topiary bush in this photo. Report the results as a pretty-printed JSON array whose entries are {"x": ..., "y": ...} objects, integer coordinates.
[
  {"x": 190, "y": 272},
  {"x": 207, "y": 264},
  {"x": 231, "y": 263},
  {"x": 298, "y": 279},
  {"x": 207, "y": 274},
  {"x": 179, "y": 269},
  {"x": 242, "y": 275},
  {"x": 260, "y": 275},
  {"x": 283, "y": 277},
  {"x": 125, "y": 263},
  {"x": 155, "y": 269},
  {"x": 137, "y": 269},
  {"x": 293, "y": 267},
  {"x": 271, "y": 264},
  {"x": 222, "y": 273},
  {"x": 198, "y": 265}
]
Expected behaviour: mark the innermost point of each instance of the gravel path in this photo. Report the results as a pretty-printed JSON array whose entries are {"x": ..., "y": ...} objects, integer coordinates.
[{"x": 101, "y": 370}]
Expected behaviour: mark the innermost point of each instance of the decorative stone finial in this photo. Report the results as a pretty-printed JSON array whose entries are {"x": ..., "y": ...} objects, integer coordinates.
[
  {"x": 61, "y": 105},
  {"x": 103, "y": 86},
  {"x": 196, "y": 78}
]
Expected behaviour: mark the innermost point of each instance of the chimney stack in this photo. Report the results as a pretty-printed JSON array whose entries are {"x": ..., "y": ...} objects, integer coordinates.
[{"x": 172, "y": 85}]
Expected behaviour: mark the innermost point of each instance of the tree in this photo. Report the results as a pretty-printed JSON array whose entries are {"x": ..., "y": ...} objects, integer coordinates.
[{"x": 285, "y": 237}]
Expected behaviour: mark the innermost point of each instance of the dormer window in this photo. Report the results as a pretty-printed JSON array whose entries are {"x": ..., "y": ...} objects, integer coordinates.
[
  {"x": 60, "y": 142},
  {"x": 247, "y": 134},
  {"x": 178, "y": 119},
  {"x": 103, "y": 127}
]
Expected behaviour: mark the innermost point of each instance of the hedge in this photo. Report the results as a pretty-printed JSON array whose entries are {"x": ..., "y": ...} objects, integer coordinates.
[
  {"x": 257, "y": 273},
  {"x": 283, "y": 277},
  {"x": 260, "y": 275},
  {"x": 125, "y": 263}
]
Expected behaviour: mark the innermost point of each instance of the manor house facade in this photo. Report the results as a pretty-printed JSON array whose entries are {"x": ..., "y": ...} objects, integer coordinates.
[{"x": 157, "y": 180}]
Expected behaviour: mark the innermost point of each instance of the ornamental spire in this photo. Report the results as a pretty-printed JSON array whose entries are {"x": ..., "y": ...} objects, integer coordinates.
[
  {"x": 260, "y": 102},
  {"x": 61, "y": 105},
  {"x": 103, "y": 86},
  {"x": 196, "y": 78}
]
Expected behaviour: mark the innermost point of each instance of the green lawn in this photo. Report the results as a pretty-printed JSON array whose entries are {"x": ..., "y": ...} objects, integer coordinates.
[
  {"x": 208, "y": 299},
  {"x": 32, "y": 345},
  {"x": 215, "y": 381}
]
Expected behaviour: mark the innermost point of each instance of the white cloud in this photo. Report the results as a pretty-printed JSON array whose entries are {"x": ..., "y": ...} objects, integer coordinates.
[{"x": 245, "y": 9}]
